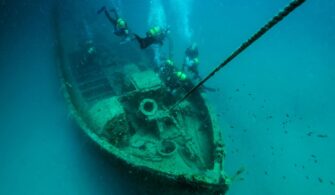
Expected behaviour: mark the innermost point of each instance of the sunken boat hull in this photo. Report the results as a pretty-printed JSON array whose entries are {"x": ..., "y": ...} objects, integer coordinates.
[
  {"x": 123, "y": 105},
  {"x": 124, "y": 108}
]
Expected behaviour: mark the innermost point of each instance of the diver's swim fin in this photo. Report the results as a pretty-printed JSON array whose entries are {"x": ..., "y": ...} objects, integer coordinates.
[
  {"x": 144, "y": 42},
  {"x": 103, "y": 8},
  {"x": 210, "y": 89}
]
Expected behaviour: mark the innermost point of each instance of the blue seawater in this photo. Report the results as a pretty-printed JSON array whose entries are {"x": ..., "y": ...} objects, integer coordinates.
[{"x": 275, "y": 102}]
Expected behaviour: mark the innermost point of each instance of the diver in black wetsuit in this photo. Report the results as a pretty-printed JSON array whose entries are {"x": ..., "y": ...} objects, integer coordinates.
[
  {"x": 89, "y": 53},
  {"x": 167, "y": 70},
  {"x": 120, "y": 25},
  {"x": 155, "y": 35},
  {"x": 192, "y": 51},
  {"x": 191, "y": 64},
  {"x": 175, "y": 80},
  {"x": 191, "y": 61}
]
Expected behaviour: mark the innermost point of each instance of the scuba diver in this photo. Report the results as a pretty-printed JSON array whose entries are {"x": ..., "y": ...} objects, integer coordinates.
[
  {"x": 155, "y": 35},
  {"x": 191, "y": 61},
  {"x": 119, "y": 24},
  {"x": 192, "y": 51},
  {"x": 89, "y": 53},
  {"x": 191, "y": 64},
  {"x": 176, "y": 81},
  {"x": 167, "y": 70},
  {"x": 183, "y": 84}
]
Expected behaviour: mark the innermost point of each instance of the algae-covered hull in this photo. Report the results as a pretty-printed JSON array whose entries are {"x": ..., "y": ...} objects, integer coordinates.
[{"x": 123, "y": 105}]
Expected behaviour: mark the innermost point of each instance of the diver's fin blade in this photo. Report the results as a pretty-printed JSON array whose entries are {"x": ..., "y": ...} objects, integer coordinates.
[
  {"x": 144, "y": 43},
  {"x": 210, "y": 89}
]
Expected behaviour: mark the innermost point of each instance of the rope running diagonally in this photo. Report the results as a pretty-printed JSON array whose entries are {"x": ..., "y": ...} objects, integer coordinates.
[{"x": 276, "y": 19}]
